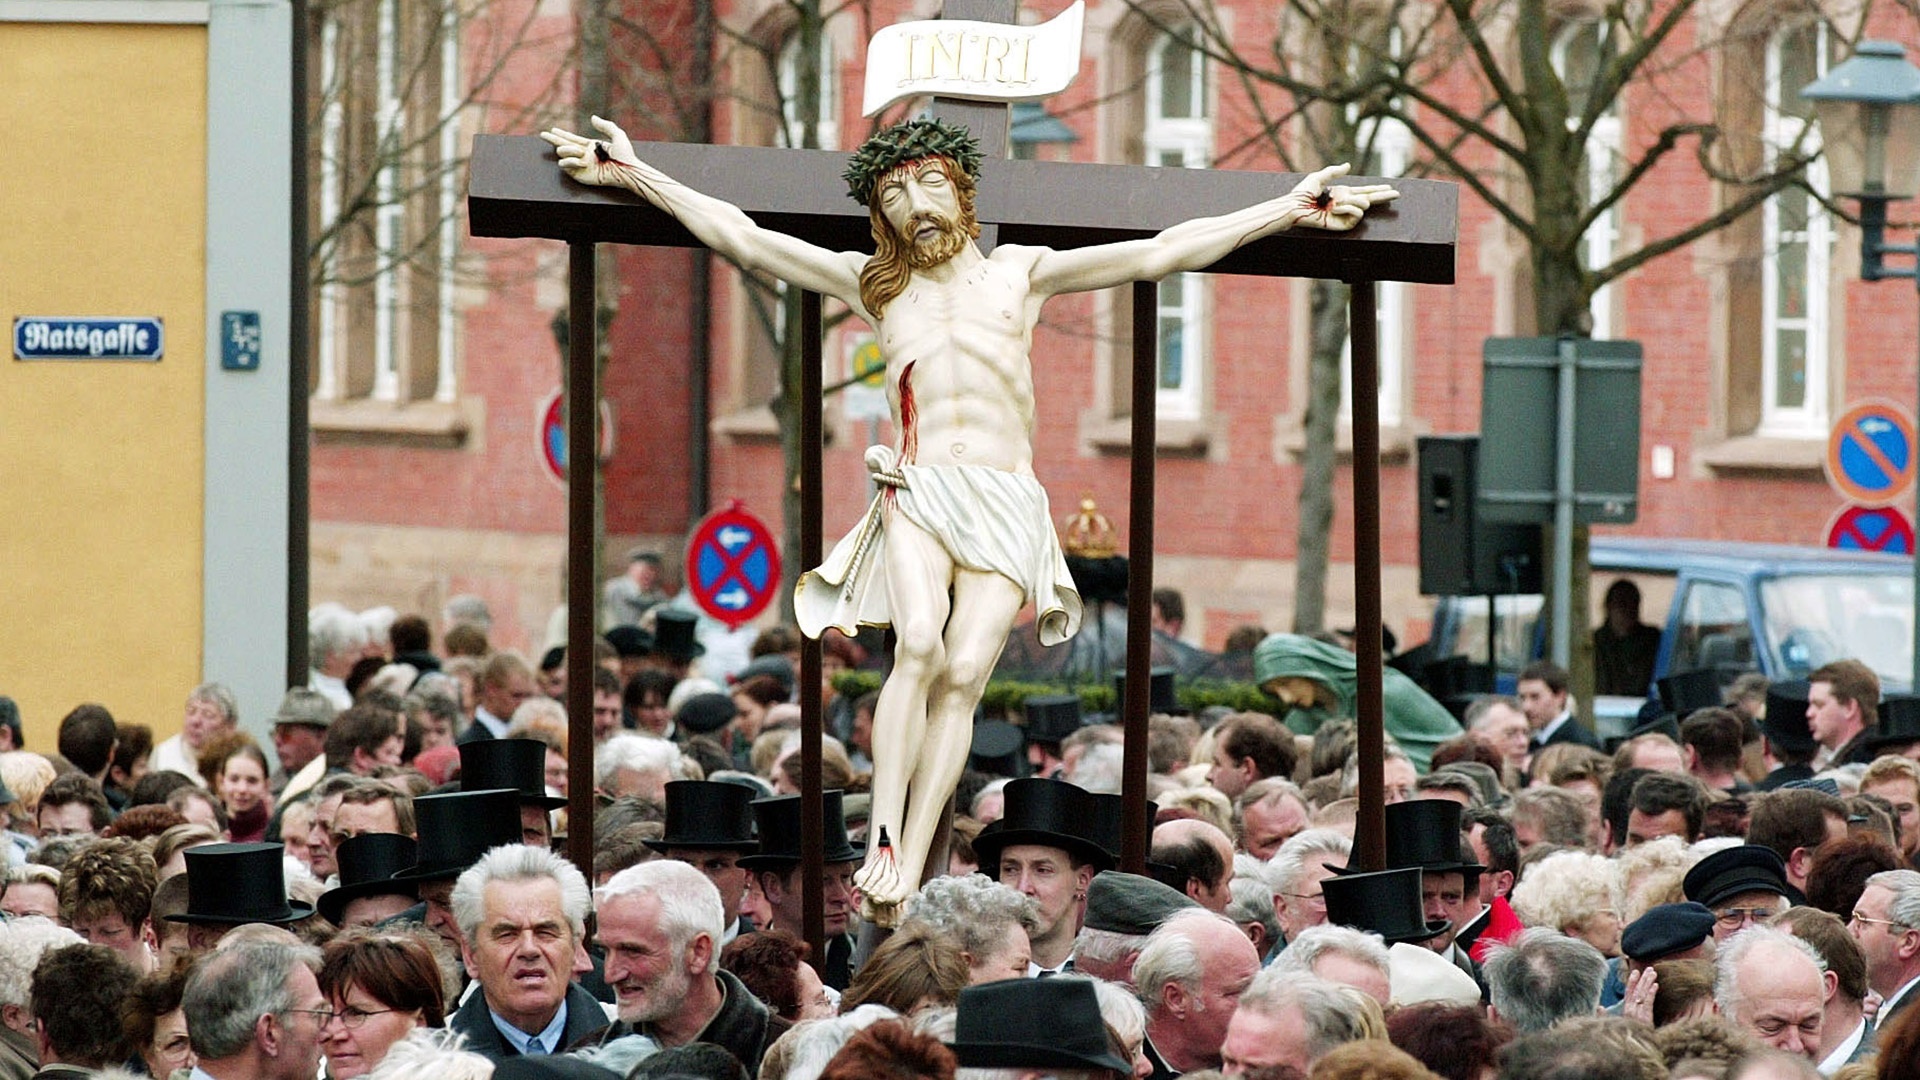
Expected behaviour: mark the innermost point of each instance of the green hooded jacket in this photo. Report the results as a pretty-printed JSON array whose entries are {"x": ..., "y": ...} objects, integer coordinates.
[{"x": 1415, "y": 721}]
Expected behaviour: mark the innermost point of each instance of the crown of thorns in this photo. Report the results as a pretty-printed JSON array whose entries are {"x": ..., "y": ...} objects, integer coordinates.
[{"x": 909, "y": 141}]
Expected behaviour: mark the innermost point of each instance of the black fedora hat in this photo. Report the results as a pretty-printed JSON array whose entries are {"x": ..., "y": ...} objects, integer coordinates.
[
  {"x": 1424, "y": 834},
  {"x": 1385, "y": 902},
  {"x": 1050, "y": 813},
  {"x": 673, "y": 635},
  {"x": 367, "y": 865},
  {"x": 1052, "y": 717},
  {"x": 1684, "y": 691},
  {"x": 778, "y": 819},
  {"x": 1160, "y": 697},
  {"x": 996, "y": 748},
  {"x": 711, "y": 815},
  {"x": 458, "y": 827},
  {"x": 520, "y": 764},
  {"x": 231, "y": 884},
  {"x": 1107, "y": 825},
  {"x": 1785, "y": 724},
  {"x": 1032, "y": 1024},
  {"x": 1899, "y": 722}
]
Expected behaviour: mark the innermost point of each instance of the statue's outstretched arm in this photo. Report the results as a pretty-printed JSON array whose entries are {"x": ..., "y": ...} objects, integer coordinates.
[
  {"x": 720, "y": 225},
  {"x": 1202, "y": 242}
]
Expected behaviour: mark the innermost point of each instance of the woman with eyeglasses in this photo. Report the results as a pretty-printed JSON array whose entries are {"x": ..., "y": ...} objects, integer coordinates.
[{"x": 381, "y": 986}]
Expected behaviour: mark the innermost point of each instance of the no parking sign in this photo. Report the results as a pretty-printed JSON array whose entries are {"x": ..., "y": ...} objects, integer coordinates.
[
  {"x": 1870, "y": 453},
  {"x": 733, "y": 565}
]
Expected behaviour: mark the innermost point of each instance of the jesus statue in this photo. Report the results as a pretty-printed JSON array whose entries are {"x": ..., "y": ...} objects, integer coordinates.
[{"x": 960, "y": 539}]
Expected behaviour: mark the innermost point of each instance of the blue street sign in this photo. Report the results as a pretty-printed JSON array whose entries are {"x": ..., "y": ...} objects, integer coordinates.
[
  {"x": 83, "y": 337},
  {"x": 733, "y": 565},
  {"x": 240, "y": 340}
]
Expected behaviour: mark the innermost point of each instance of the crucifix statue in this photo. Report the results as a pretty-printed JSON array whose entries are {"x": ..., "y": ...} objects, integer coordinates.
[{"x": 960, "y": 539}]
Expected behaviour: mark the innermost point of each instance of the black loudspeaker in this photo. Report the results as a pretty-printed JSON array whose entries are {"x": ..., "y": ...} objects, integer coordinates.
[{"x": 1461, "y": 554}]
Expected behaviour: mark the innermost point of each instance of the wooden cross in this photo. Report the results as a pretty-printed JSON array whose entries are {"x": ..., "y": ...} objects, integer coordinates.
[{"x": 515, "y": 191}]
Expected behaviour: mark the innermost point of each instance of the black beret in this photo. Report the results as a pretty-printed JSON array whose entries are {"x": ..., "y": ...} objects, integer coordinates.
[
  {"x": 1130, "y": 904},
  {"x": 704, "y": 714},
  {"x": 1665, "y": 930}
]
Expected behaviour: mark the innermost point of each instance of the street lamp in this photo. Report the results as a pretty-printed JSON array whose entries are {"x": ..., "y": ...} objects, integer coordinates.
[{"x": 1869, "y": 112}]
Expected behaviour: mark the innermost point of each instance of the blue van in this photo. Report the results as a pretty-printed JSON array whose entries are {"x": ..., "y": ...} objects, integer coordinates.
[{"x": 1777, "y": 609}]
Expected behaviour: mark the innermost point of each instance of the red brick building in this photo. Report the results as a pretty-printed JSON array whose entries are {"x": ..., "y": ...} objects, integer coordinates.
[{"x": 427, "y": 475}]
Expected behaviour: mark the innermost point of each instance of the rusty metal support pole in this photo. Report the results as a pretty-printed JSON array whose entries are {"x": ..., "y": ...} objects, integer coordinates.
[
  {"x": 583, "y": 456},
  {"x": 1370, "y": 831},
  {"x": 813, "y": 867},
  {"x": 1133, "y": 771}
]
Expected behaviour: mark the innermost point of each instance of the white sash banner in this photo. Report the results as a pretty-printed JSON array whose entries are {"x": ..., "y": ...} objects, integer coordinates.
[{"x": 980, "y": 61}]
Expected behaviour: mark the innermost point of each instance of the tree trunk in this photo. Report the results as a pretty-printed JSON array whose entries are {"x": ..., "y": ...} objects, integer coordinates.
[{"x": 1320, "y": 428}]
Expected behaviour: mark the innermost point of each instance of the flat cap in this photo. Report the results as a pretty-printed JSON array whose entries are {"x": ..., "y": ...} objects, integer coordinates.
[
  {"x": 1665, "y": 930},
  {"x": 1130, "y": 904},
  {"x": 1729, "y": 872}
]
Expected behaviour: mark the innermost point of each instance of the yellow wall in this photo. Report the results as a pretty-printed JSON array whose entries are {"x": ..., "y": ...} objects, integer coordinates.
[{"x": 102, "y": 212}]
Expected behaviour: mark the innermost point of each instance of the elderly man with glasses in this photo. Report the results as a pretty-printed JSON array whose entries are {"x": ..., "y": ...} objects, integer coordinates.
[
  {"x": 1744, "y": 886},
  {"x": 1886, "y": 923}
]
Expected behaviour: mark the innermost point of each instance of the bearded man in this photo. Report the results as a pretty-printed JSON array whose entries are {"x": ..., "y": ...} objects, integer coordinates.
[{"x": 960, "y": 538}]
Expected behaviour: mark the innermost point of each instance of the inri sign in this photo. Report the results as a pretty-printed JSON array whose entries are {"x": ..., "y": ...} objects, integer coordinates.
[{"x": 980, "y": 61}]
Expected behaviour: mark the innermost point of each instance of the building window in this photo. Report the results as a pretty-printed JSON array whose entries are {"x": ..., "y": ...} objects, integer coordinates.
[
  {"x": 827, "y": 116},
  {"x": 1797, "y": 237},
  {"x": 387, "y": 201},
  {"x": 1580, "y": 54},
  {"x": 1175, "y": 133}
]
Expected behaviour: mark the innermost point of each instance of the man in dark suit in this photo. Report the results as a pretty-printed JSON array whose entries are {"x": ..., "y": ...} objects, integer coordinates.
[
  {"x": 1543, "y": 697},
  {"x": 504, "y": 683},
  {"x": 522, "y": 913}
]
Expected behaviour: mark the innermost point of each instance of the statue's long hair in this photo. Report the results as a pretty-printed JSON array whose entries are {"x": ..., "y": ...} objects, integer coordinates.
[{"x": 885, "y": 275}]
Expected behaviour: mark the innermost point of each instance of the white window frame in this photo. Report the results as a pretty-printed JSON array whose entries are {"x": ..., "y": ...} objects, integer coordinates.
[
  {"x": 390, "y": 218},
  {"x": 1189, "y": 140},
  {"x": 827, "y": 123},
  {"x": 1600, "y": 244},
  {"x": 1780, "y": 130}
]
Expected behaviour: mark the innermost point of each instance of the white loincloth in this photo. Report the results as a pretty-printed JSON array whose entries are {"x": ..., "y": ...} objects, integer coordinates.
[{"x": 987, "y": 519}]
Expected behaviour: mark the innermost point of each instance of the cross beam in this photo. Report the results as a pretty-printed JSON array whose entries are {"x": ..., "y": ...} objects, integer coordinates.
[{"x": 516, "y": 191}]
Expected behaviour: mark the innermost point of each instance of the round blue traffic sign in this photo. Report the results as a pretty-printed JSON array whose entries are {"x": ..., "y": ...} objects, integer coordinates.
[
  {"x": 733, "y": 565},
  {"x": 1870, "y": 453}
]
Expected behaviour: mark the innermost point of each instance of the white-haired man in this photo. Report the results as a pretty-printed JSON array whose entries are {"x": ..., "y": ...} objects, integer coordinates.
[
  {"x": 1886, "y": 923},
  {"x": 1296, "y": 871},
  {"x": 639, "y": 765},
  {"x": 660, "y": 924},
  {"x": 1341, "y": 955},
  {"x": 1189, "y": 976},
  {"x": 336, "y": 640},
  {"x": 1773, "y": 986},
  {"x": 22, "y": 943},
  {"x": 1289, "y": 1019},
  {"x": 522, "y": 914}
]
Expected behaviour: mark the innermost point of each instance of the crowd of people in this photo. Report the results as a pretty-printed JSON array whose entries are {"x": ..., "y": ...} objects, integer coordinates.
[{"x": 1730, "y": 893}]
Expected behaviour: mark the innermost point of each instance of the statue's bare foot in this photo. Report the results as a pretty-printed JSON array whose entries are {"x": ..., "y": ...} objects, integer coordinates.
[{"x": 881, "y": 888}]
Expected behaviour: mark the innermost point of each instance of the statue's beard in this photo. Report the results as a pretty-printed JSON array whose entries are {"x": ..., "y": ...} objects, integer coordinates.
[{"x": 937, "y": 248}]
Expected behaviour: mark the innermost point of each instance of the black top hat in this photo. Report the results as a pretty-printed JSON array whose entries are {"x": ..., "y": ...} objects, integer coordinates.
[
  {"x": 630, "y": 642},
  {"x": 367, "y": 865},
  {"x": 1108, "y": 823},
  {"x": 1032, "y": 1024},
  {"x": 778, "y": 819},
  {"x": 1785, "y": 724},
  {"x": 1052, "y": 717},
  {"x": 996, "y": 748},
  {"x": 1160, "y": 697},
  {"x": 673, "y": 635},
  {"x": 1685, "y": 691},
  {"x": 1386, "y": 902},
  {"x": 708, "y": 814},
  {"x": 1424, "y": 833},
  {"x": 1899, "y": 722},
  {"x": 459, "y": 827},
  {"x": 1729, "y": 872},
  {"x": 1051, "y": 813},
  {"x": 232, "y": 884},
  {"x": 520, "y": 764}
]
